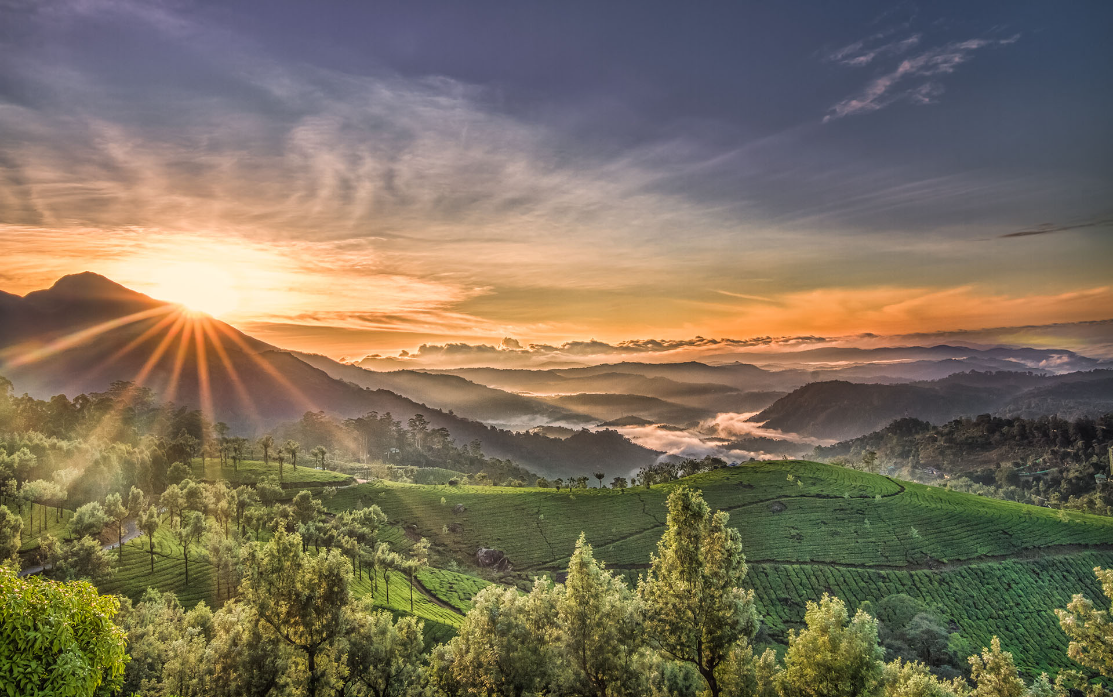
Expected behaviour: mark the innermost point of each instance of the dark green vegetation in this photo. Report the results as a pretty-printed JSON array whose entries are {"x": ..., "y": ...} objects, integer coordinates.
[
  {"x": 842, "y": 410},
  {"x": 993, "y": 567},
  {"x": 1052, "y": 461}
]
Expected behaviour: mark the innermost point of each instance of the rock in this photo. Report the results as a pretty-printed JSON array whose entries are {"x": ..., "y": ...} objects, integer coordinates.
[
  {"x": 777, "y": 507},
  {"x": 458, "y": 509},
  {"x": 492, "y": 558},
  {"x": 455, "y": 527}
]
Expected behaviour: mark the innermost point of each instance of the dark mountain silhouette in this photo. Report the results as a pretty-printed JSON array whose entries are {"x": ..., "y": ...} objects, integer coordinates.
[
  {"x": 86, "y": 332},
  {"x": 739, "y": 376},
  {"x": 456, "y": 394},
  {"x": 843, "y": 410}
]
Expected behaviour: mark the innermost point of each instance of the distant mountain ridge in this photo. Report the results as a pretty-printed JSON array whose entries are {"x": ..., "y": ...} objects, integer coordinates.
[
  {"x": 86, "y": 332},
  {"x": 840, "y": 410}
]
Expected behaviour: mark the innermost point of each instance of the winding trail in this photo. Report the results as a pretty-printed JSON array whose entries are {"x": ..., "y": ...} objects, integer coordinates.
[
  {"x": 130, "y": 533},
  {"x": 434, "y": 599}
]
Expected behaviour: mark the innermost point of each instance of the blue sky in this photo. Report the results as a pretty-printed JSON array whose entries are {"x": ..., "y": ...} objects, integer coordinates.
[{"x": 378, "y": 175}]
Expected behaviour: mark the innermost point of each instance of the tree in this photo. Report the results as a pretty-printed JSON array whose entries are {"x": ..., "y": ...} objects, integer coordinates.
[
  {"x": 280, "y": 456},
  {"x": 869, "y": 461},
  {"x": 383, "y": 655},
  {"x": 320, "y": 454},
  {"x": 238, "y": 448},
  {"x": 188, "y": 531},
  {"x": 59, "y": 639},
  {"x": 83, "y": 558},
  {"x": 832, "y": 657},
  {"x": 301, "y": 597},
  {"x": 386, "y": 561},
  {"x": 913, "y": 679},
  {"x": 117, "y": 513},
  {"x": 245, "y": 497},
  {"x": 995, "y": 673},
  {"x": 1089, "y": 629},
  {"x": 173, "y": 501},
  {"x": 419, "y": 559},
  {"x": 11, "y": 526},
  {"x": 149, "y": 524},
  {"x": 599, "y": 476},
  {"x": 137, "y": 501},
  {"x": 89, "y": 520},
  {"x": 221, "y": 430},
  {"x": 291, "y": 448},
  {"x": 619, "y": 483},
  {"x": 266, "y": 443},
  {"x": 501, "y": 647},
  {"x": 599, "y": 630},
  {"x": 39, "y": 491},
  {"x": 697, "y": 611}
]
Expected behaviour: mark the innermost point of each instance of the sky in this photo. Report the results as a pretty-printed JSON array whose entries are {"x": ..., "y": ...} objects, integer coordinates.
[{"x": 357, "y": 178}]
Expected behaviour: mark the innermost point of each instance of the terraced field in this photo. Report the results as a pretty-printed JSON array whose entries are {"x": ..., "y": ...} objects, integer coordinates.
[
  {"x": 441, "y": 597},
  {"x": 991, "y": 566}
]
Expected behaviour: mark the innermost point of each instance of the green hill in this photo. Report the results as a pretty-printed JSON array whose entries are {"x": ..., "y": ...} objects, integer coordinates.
[{"x": 990, "y": 566}]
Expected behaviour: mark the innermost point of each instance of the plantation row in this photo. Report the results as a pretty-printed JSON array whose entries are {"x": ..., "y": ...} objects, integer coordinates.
[
  {"x": 873, "y": 521},
  {"x": 1012, "y": 600}
]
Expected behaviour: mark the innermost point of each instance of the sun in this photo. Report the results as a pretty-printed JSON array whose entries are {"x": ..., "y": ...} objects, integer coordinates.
[{"x": 200, "y": 287}]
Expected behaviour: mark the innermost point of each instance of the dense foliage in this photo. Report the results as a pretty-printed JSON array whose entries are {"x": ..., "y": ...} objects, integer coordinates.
[{"x": 1044, "y": 461}]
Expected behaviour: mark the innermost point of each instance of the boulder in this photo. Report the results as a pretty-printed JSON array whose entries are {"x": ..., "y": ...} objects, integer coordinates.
[
  {"x": 777, "y": 507},
  {"x": 492, "y": 559},
  {"x": 458, "y": 509}
]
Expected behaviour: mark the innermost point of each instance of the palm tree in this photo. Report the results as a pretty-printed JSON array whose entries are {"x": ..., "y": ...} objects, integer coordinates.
[
  {"x": 280, "y": 455},
  {"x": 599, "y": 476}
]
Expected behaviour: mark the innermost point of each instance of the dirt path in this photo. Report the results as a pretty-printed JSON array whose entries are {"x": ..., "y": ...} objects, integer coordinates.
[
  {"x": 434, "y": 599},
  {"x": 130, "y": 533}
]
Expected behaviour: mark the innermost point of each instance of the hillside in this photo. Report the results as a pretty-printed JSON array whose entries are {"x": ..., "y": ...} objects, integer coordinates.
[
  {"x": 86, "y": 332},
  {"x": 840, "y": 410},
  {"x": 608, "y": 407},
  {"x": 992, "y": 567},
  {"x": 452, "y": 393}
]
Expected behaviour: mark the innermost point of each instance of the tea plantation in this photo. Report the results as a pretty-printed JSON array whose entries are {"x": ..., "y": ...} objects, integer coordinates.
[{"x": 989, "y": 566}]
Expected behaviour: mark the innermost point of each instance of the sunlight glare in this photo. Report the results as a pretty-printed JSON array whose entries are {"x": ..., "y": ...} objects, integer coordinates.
[{"x": 198, "y": 286}]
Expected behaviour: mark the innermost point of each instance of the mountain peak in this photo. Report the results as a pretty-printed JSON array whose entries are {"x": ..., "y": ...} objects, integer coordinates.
[{"x": 86, "y": 286}]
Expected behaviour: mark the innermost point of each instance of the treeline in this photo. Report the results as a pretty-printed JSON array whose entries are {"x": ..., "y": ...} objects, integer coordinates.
[
  {"x": 376, "y": 437},
  {"x": 80, "y": 450},
  {"x": 687, "y": 629},
  {"x": 1045, "y": 461}
]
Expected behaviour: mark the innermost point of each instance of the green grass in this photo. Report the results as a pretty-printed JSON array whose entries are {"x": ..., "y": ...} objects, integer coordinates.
[
  {"x": 251, "y": 471},
  {"x": 454, "y": 588},
  {"x": 56, "y": 526},
  {"x": 994, "y": 567},
  {"x": 1011, "y": 599}
]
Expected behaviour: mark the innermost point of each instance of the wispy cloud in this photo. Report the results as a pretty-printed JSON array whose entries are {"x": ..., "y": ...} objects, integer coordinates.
[
  {"x": 922, "y": 69},
  {"x": 861, "y": 53},
  {"x": 744, "y": 296},
  {"x": 1050, "y": 228}
]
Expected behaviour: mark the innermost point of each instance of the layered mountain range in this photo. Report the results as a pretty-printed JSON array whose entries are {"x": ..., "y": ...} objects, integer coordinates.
[{"x": 86, "y": 332}]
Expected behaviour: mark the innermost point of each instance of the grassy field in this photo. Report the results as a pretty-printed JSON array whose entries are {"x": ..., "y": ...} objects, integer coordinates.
[
  {"x": 994, "y": 567},
  {"x": 251, "y": 471},
  {"x": 56, "y": 525}
]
